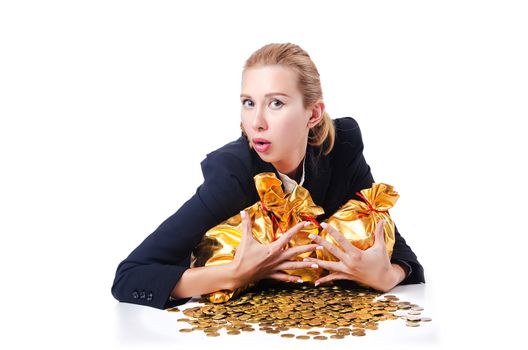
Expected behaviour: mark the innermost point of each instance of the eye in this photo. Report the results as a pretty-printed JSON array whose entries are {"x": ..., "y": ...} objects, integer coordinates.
[
  {"x": 245, "y": 105},
  {"x": 276, "y": 103}
]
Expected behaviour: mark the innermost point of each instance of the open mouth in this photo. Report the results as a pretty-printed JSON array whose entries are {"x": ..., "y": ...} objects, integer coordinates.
[{"x": 261, "y": 145}]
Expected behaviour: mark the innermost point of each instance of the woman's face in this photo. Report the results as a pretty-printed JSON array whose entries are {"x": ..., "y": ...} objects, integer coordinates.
[{"x": 273, "y": 116}]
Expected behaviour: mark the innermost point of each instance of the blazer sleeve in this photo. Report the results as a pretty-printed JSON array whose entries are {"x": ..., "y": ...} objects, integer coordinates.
[
  {"x": 148, "y": 275},
  {"x": 360, "y": 177}
]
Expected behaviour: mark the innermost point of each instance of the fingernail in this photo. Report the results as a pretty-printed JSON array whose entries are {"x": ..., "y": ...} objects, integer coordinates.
[
  {"x": 300, "y": 280},
  {"x": 319, "y": 247},
  {"x": 306, "y": 223},
  {"x": 311, "y": 236},
  {"x": 324, "y": 225},
  {"x": 243, "y": 214},
  {"x": 306, "y": 259},
  {"x": 315, "y": 266},
  {"x": 316, "y": 283}
]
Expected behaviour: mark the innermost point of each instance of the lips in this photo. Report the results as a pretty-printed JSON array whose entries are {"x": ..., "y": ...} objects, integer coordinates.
[
  {"x": 259, "y": 141},
  {"x": 261, "y": 145}
]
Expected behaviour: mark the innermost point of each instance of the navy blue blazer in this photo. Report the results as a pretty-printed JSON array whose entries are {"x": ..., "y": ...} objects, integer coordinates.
[{"x": 148, "y": 275}]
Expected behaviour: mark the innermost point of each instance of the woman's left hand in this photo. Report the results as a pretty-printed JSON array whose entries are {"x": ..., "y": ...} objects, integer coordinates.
[{"x": 371, "y": 267}]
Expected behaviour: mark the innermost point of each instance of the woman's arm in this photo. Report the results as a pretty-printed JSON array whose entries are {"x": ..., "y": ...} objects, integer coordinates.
[
  {"x": 205, "y": 279},
  {"x": 359, "y": 177},
  {"x": 149, "y": 274},
  {"x": 159, "y": 267}
]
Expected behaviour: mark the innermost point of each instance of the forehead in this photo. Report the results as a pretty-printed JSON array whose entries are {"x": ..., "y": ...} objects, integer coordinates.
[{"x": 260, "y": 80}]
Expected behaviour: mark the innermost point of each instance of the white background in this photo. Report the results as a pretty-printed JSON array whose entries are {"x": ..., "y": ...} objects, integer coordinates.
[{"x": 108, "y": 107}]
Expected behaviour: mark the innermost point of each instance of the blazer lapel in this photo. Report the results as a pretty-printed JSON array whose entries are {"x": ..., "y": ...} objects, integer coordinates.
[{"x": 317, "y": 176}]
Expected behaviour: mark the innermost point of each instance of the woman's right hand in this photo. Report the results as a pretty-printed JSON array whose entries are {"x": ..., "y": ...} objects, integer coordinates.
[{"x": 254, "y": 261}]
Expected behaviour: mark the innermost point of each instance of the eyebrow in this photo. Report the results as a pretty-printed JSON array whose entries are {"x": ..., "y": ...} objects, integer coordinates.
[{"x": 267, "y": 95}]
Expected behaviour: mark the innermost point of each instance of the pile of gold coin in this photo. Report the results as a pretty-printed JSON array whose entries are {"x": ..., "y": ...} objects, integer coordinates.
[{"x": 320, "y": 313}]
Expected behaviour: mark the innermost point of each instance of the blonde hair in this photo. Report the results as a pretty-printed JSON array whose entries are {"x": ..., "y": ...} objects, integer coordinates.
[{"x": 294, "y": 57}]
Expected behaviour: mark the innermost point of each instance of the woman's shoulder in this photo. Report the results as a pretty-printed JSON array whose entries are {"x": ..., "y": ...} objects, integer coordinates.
[
  {"x": 233, "y": 157},
  {"x": 347, "y": 134}
]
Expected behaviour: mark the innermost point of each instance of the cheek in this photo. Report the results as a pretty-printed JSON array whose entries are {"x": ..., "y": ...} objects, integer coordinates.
[
  {"x": 246, "y": 124},
  {"x": 293, "y": 128}
]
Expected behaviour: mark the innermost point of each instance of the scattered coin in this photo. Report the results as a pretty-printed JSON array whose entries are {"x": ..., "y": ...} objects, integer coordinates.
[
  {"x": 337, "y": 336},
  {"x": 287, "y": 335}
]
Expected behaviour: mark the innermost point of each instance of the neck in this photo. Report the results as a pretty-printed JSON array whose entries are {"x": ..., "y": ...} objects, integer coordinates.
[
  {"x": 292, "y": 168},
  {"x": 296, "y": 174}
]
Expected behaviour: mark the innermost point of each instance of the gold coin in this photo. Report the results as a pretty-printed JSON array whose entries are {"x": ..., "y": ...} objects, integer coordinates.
[
  {"x": 320, "y": 337},
  {"x": 213, "y": 334},
  {"x": 302, "y": 337},
  {"x": 186, "y": 330},
  {"x": 287, "y": 335},
  {"x": 233, "y": 332},
  {"x": 337, "y": 336}
]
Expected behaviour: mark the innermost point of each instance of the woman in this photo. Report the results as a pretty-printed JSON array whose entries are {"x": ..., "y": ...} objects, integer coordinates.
[{"x": 285, "y": 130}]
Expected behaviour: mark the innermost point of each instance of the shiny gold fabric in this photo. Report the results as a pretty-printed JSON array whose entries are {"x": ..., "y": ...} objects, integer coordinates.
[
  {"x": 357, "y": 220},
  {"x": 277, "y": 212}
]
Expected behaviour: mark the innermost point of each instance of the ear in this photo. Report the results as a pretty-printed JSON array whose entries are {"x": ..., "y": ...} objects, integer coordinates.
[{"x": 316, "y": 115}]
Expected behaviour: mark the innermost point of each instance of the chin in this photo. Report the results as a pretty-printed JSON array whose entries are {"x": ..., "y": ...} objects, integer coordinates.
[{"x": 266, "y": 157}]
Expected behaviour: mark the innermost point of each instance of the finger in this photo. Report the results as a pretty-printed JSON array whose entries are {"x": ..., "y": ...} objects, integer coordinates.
[
  {"x": 294, "y": 251},
  {"x": 285, "y": 277},
  {"x": 247, "y": 234},
  {"x": 294, "y": 265},
  {"x": 343, "y": 242},
  {"x": 380, "y": 233},
  {"x": 334, "y": 250},
  {"x": 328, "y": 265},
  {"x": 331, "y": 277},
  {"x": 288, "y": 235}
]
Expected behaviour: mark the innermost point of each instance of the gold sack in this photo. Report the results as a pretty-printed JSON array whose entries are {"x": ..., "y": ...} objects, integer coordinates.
[
  {"x": 273, "y": 215},
  {"x": 357, "y": 220}
]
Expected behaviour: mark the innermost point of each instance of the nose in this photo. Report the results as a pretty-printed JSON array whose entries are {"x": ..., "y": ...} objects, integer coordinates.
[{"x": 259, "y": 121}]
